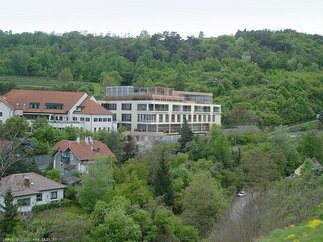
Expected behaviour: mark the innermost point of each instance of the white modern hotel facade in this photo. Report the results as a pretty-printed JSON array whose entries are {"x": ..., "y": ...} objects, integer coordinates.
[{"x": 161, "y": 109}]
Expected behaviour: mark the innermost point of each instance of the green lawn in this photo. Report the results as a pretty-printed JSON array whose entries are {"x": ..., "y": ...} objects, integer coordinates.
[{"x": 299, "y": 233}]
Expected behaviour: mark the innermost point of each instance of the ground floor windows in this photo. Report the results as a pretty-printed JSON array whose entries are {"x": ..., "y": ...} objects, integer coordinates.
[
  {"x": 53, "y": 195},
  {"x": 23, "y": 202}
]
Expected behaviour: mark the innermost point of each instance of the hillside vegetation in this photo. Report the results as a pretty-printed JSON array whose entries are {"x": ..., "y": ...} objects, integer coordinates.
[{"x": 259, "y": 77}]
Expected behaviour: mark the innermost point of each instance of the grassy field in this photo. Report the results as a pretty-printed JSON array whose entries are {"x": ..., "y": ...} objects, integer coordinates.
[
  {"x": 22, "y": 82},
  {"x": 312, "y": 231}
]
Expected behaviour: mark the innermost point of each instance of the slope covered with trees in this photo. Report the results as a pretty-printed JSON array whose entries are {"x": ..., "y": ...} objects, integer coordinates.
[{"x": 259, "y": 77}]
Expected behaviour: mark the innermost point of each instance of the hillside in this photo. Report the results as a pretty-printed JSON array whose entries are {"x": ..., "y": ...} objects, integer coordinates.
[{"x": 260, "y": 77}]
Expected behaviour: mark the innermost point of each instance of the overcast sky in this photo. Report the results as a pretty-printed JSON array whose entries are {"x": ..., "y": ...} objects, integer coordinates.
[{"x": 186, "y": 17}]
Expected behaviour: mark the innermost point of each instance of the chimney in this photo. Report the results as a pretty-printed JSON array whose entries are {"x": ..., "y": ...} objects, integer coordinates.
[
  {"x": 78, "y": 140},
  {"x": 26, "y": 181}
]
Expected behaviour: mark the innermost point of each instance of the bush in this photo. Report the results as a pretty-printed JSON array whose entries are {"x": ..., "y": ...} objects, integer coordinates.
[{"x": 62, "y": 203}]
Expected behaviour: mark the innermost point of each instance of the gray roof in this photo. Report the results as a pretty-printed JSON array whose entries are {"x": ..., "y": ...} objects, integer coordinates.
[{"x": 22, "y": 184}]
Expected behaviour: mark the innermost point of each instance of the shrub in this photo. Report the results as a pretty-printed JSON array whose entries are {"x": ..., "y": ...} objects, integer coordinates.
[{"x": 62, "y": 203}]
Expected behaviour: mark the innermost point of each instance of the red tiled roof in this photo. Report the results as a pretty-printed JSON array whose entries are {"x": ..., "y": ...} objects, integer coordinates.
[
  {"x": 84, "y": 151},
  {"x": 92, "y": 107},
  {"x": 20, "y": 99},
  {"x": 4, "y": 100},
  {"x": 37, "y": 183}
]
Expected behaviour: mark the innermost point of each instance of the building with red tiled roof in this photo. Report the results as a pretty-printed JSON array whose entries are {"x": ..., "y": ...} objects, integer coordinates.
[
  {"x": 30, "y": 189},
  {"x": 62, "y": 109},
  {"x": 73, "y": 156}
]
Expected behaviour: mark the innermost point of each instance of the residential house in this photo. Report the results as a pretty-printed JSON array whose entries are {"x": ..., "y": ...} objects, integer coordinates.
[
  {"x": 62, "y": 109},
  {"x": 161, "y": 109},
  {"x": 73, "y": 156},
  {"x": 30, "y": 189},
  {"x": 6, "y": 110}
]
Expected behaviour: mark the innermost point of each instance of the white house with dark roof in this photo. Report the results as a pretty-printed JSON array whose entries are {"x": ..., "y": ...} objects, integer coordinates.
[
  {"x": 62, "y": 109},
  {"x": 30, "y": 189}
]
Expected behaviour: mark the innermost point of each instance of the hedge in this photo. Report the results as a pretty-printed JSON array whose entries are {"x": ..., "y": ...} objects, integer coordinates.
[{"x": 62, "y": 203}]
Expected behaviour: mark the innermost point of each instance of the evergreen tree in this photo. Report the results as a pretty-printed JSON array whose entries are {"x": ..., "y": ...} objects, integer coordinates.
[
  {"x": 9, "y": 215},
  {"x": 186, "y": 136},
  {"x": 163, "y": 182}
]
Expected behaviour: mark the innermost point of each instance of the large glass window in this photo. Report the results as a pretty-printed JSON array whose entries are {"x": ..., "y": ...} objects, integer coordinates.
[
  {"x": 126, "y": 106},
  {"x": 126, "y": 117},
  {"x": 23, "y": 202},
  {"x": 110, "y": 106},
  {"x": 160, "y": 118},
  {"x": 187, "y": 108},
  {"x": 161, "y": 107},
  {"x": 146, "y": 118},
  {"x": 142, "y": 107},
  {"x": 177, "y": 107}
]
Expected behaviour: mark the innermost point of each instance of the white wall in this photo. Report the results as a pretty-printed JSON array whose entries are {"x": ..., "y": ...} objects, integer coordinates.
[
  {"x": 46, "y": 198},
  {"x": 6, "y": 112}
]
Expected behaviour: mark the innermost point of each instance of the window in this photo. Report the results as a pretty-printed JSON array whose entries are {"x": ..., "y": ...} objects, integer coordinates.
[
  {"x": 189, "y": 118},
  {"x": 114, "y": 117},
  {"x": 39, "y": 197},
  {"x": 160, "y": 118},
  {"x": 178, "y": 118},
  {"x": 23, "y": 202},
  {"x": 126, "y": 117},
  {"x": 100, "y": 119},
  {"x": 74, "y": 118},
  {"x": 33, "y": 105},
  {"x": 105, "y": 119},
  {"x": 216, "y": 109},
  {"x": 0, "y": 114},
  {"x": 142, "y": 107},
  {"x": 95, "y": 120},
  {"x": 110, "y": 106},
  {"x": 167, "y": 118},
  {"x": 87, "y": 119},
  {"x": 109, "y": 119},
  {"x": 173, "y": 117},
  {"x": 126, "y": 106},
  {"x": 53, "y": 195},
  {"x": 54, "y": 105},
  {"x": 186, "y": 108},
  {"x": 161, "y": 107},
  {"x": 194, "y": 118},
  {"x": 177, "y": 107},
  {"x": 147, "y": 118},
  {"x": 82, "y": 119}
]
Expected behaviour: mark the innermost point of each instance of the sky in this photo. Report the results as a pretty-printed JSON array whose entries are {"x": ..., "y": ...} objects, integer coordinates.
[{"x": 186, "y": 17}]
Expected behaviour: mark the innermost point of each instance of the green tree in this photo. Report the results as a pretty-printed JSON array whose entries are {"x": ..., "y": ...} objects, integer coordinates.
[
  {"x": 14, "y": 128},
  {"x": 113, "y": 222},
  {"x": 162, "y": 180},
  {"x": 259, "y": 167},
  {"x": 186, "y": 134},
  {"x": 100, "y": 177},
  {"x": 311, "y": 146},
  {"x": 8, "y": 215},
  {"x": 54, "y": 175},
  {"x": 204, "y": 200},
  {"x": 65, "y": 75}
]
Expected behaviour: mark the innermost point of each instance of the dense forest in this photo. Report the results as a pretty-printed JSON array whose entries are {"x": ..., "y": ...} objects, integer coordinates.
[{"x": 261, "y": 77}]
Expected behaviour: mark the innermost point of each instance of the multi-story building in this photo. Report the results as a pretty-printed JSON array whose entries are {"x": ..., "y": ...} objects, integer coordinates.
[
  {"x": 161, "y": 109},
  {"x": 62, "y": 109}
]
